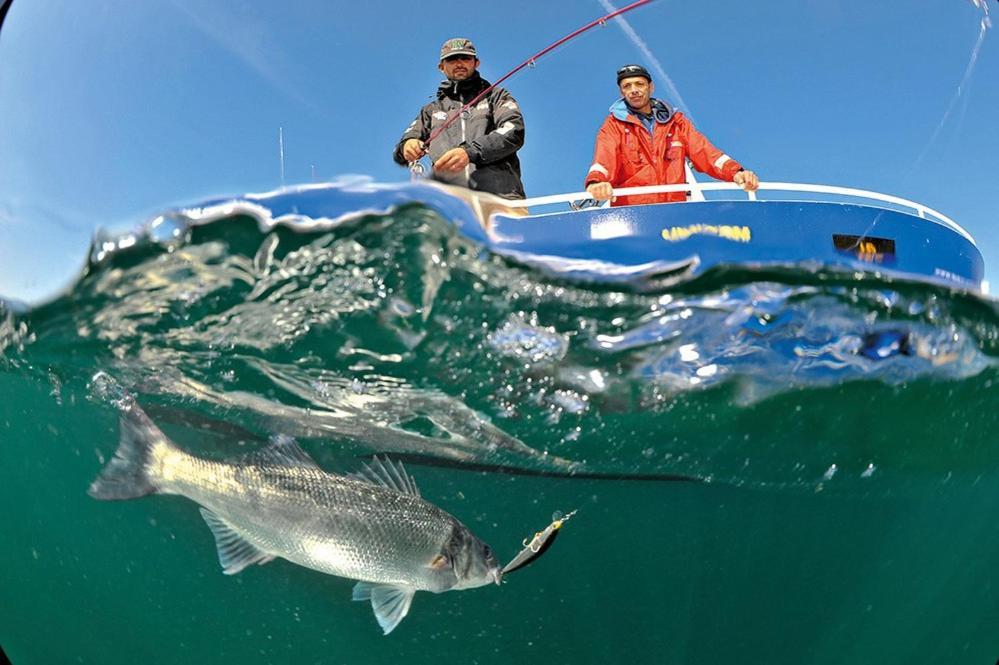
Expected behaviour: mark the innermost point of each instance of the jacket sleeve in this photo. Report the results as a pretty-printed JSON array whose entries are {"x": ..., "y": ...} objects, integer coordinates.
[
  {"x": 418, "y": 129},
  {"x": 705, "y": 157},
  {"x": 507, "y": 136},
  {"x": 605, "y": 155}
]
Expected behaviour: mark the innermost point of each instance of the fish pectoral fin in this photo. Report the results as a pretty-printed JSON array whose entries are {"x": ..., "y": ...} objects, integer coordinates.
[
  {"x": 439, "y": 562},
  {"x": 386, "y": 473},
  {"x": 235, "y": 552},
  {"x": 390, "y": 603}
]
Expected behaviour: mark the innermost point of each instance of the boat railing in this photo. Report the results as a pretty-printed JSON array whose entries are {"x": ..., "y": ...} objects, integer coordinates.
[{"x": 922, "y": 211}]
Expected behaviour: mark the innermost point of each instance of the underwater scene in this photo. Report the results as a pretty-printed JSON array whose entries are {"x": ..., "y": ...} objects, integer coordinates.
[{"x": 790, "y": 465}]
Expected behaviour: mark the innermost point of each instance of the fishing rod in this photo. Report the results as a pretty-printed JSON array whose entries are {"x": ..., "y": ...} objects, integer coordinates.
[{"x": 531, "y": 61}]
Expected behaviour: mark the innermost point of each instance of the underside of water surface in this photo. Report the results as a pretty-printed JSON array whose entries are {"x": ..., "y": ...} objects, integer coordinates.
[{"x": 792, "y": 456}]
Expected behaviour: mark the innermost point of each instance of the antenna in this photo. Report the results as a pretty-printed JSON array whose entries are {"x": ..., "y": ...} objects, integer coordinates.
[{"x": 281, "y": 151}]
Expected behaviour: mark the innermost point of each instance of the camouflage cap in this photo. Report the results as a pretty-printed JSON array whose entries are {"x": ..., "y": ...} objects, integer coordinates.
[{"x": 458, "y": 46}]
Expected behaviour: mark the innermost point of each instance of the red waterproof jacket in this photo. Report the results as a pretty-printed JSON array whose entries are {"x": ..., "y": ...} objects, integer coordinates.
[{"x": 627, "y": 155}]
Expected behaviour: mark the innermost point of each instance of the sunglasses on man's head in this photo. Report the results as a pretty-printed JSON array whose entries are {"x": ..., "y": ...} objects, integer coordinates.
[
  {"x": 631, "y": 69},
  {"x": 452, "y": 58}
]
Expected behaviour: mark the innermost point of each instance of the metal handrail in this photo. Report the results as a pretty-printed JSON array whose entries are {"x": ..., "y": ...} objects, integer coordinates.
[{"x": 920, "y": 209}]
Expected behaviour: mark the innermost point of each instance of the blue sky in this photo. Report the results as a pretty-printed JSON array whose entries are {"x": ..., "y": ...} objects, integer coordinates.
[{"x": 111, "y": 110}]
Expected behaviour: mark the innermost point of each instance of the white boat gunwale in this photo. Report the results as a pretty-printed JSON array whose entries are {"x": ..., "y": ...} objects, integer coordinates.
[{"x": 921, "y": 210}]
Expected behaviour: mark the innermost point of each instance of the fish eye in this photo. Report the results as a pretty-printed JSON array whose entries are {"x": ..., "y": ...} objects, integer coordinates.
[{"x": 487, "y": 551}]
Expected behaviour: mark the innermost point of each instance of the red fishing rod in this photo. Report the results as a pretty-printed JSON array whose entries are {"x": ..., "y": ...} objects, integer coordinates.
[{"x": 531, "y": 61}]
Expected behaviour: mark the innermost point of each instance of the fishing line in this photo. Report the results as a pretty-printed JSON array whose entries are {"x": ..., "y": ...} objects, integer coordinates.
[
  {"x": 530, "y": 62},
  {"x": 959, "y": 94}
]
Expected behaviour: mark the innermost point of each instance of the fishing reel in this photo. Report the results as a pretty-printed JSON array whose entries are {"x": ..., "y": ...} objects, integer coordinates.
[
  {"x": 584, "y": 203},
  {"x": 417, "y": 170}
]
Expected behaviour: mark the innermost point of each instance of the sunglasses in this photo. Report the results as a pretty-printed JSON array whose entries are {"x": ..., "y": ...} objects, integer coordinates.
[
  {"x": 631, "y": 69},
  {"x": 453, "y": 58}
]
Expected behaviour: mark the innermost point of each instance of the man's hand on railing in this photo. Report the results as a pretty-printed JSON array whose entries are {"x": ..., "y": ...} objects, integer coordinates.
[
  {"x": 919, "y": 208},
  {"x": 601, "y": 191},
  {"x": 747, "y": 180}
]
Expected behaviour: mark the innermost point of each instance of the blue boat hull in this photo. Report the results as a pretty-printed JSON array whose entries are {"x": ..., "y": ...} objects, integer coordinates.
[
  {"x": 632, "y": 242},
  {"x": 642, "y": 244}
]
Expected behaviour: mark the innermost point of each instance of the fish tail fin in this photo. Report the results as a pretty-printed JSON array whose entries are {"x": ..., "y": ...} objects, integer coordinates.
[{"x": 129, "y": 473}]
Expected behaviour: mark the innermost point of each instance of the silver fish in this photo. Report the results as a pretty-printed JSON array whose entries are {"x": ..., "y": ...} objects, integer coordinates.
[{"x": 371, "y": 526}]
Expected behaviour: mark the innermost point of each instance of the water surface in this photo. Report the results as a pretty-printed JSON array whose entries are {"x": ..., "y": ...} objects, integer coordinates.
[{"x": 782, "y": 467}]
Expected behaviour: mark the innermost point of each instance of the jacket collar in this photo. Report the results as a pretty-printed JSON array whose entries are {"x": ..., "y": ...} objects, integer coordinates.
[
  {"x": 467, "y": 89},
  {"x": 662, "y": 111}
]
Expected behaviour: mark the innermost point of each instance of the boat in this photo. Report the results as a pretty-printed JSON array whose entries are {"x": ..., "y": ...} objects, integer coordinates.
[
  {"x": 796, "y": 225},
  {"x": 824, "y": 226}
]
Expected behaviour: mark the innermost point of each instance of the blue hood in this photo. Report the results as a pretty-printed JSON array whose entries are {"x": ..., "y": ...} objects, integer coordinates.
[{"x": 662, "y": 111}]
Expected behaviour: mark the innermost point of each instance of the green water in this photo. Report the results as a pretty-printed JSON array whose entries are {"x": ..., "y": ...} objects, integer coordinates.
[{"x": 401, "y": 338}]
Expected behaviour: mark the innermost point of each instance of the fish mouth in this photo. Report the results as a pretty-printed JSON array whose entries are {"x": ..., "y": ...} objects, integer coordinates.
[{"x": 497, "y": 575}]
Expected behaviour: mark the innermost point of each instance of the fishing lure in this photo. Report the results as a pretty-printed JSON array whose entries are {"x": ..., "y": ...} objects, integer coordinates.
[{"x": 538, "y": 545}]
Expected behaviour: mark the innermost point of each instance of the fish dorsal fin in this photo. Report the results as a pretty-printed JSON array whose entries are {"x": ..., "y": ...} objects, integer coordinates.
[
  {"x": 388, "y": 474},
  {"x": 390, "y": 603},
  {"x": 282, "y": 450},
  {"x": 235, "y": 552}
]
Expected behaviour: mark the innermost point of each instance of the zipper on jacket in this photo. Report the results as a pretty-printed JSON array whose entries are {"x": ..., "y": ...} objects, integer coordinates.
[{"x": 468, "y": 174}]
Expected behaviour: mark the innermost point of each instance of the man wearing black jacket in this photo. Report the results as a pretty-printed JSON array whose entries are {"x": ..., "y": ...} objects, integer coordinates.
[{"x": 478, "y": 149}]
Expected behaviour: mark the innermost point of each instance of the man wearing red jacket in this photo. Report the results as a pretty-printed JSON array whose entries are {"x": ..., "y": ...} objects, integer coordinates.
[{"x": 645, "y": 142}]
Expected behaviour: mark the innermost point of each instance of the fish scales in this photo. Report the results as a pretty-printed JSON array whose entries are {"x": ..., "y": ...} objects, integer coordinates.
[{"x": 331, "y": 523}]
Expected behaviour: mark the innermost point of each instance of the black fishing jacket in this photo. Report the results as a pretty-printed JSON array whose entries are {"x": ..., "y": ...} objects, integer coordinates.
[{"x": 491, "y": 133}]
